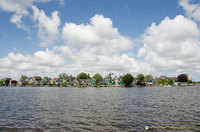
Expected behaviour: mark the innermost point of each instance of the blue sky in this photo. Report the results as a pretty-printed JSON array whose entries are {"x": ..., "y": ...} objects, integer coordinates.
[{"x": 47, "y": 37}]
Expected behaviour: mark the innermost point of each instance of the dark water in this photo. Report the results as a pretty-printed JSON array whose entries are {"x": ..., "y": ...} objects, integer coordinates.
[{"x": 98, "y": 109}]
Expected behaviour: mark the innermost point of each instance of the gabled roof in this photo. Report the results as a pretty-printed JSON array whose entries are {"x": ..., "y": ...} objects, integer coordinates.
[
  {"x": 173, "y": 78},
  {"x": 163, "y": 77}
]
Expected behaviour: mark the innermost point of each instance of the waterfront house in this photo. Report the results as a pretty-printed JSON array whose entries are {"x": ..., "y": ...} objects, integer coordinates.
[
  {"x": 117, "y": 81},
  {"x": 69, "y": 81},
  {"x": 23, "y": 82},
  {"x": 30, "y": 80},
  {"x": 54, "y": 81},
  {"x": 75, "y": 82},
  {"x": 109, "y": 81},
  {"x": 45, "y": 81},
  {"x": 37, "y": 80},
  {"x": 85, "y": 82},
  {"x": 93, "y": 82},
  {"x": 6, "y": 81},
  {"x": 13, "y": 83},
  {"x": 163, "y": 77}
]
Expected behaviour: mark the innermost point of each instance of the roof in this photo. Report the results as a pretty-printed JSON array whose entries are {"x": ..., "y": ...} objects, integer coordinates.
[
  {"x": 173, "y": 78},
  {"x": 54, "y": 79},
  {"x": 37, "y": 77},
  {"x": 163, "y": 77},
  {"x": 190, "y": 79}
]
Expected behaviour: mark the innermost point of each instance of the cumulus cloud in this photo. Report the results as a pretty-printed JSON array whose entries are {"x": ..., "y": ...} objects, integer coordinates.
[
  {"x": 192, "y": 10},
  {"x": 99, "y": 32},
  {"x": 41, "y": 62},
  {"x": 93, "y": 47},
  {"x": 48, "y": 26},
  {"x": 172, "y": 46},
  {"x": 19, "y": 8}
]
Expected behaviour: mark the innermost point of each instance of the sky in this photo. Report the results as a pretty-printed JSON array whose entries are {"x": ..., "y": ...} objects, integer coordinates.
[{"x": 49, "y": 37}]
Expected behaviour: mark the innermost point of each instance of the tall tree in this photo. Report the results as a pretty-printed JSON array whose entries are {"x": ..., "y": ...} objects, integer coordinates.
[
  {"x": 149, "y": 77},
  {"x": 127, "y": 80},
  {"x": 98, "y": 77},
  {"x": 140, "y": 79},
  {"x": 170, "y": 82},
  {"x": 63, "y": 76},
  {"x": 23, "y": 78},
  {"x": 183, "y": 78},
  {"x": 1, "y": 82},
  {"x": 6, "y": 81},
  {"x": 82, "y": 75}
]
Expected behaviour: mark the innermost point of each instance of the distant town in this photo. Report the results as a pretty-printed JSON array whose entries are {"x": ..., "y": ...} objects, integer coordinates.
[{"x": 111, "y": 80}]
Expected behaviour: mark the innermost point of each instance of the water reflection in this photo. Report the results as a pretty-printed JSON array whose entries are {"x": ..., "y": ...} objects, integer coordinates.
[{"x": 98, "y": 109}]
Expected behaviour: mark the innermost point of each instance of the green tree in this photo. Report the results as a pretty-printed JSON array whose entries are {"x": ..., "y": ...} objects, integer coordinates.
[
  {"x": 6, "y": 81},
  {"x": 127, "y": 80},
  {"x": 140, "y": 79},
  {"x": 170, "y": 82},
  {"x": 63, "y": 76},
  {"x": 54, "y": 84},
  {"x": 43, "y": 82},
  {"x": 162, "y": 82},
  {"x": 22, "y": 78},
  {"x": 98, "y": 77},
  {"x": 1, "y": 82},
  {"x": 149, "y": 77},
  {"x": 83, "y": 75},
  {"x": 46, "y": 78},
  {"x": 183, "y": 78},
  {"x": 88, "y": 76},
  {"x": 190, "y": 81}
]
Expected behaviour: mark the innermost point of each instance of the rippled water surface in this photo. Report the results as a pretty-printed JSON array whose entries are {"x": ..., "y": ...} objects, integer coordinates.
[{"x": 98, "y": 109}]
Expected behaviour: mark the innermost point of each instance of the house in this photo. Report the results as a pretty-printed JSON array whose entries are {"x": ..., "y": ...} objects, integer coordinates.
[
  {"x": 151, "y": 82},
  {"x": 93, "y": 82},
  {"x": 30, "y": 80},
  {"x": 163, "y": 77},
  {"x": 37, "y": 80},
  {"x": 84, "y": 82},
  {"x": 54, "y": 81},
  {"x": 6, "y": 81},
  {"x": 66, "y": 82},
  {"x": 23, "y": 82},
  {"x": 75, "y": 82},
  {"x": 117, "y": 81},
  {"x": 121, "y": 82},
  {"x": 45, "y": 81},
  {"x": 109, "y": 81},
  {"x": 69, "y": 81},
  {"x": 101, "y": 82},
  {"x": 175, "y": 79},
  {"x": 13, "y": 83},
  {"x": 190, "y": 79}
]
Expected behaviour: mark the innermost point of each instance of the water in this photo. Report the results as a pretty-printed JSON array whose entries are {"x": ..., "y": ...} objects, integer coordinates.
[{"x": 98, "y": 109}]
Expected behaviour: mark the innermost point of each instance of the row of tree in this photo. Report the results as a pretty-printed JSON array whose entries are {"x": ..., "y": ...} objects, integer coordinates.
[{"x": 127, "y": 79}]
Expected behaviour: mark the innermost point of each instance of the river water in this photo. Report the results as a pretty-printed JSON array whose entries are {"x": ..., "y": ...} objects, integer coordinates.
[{"x": 98, "y": 109}]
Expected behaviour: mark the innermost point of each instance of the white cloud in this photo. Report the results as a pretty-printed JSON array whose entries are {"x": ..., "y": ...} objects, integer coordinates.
[
  {"x": 108, "y": 51},
  {"x": 192, "y": 10},
  {"x": 172, "y": 46},
  {"x": 48, "y": 26},
  {"x": 100, "y": 31},
  {"x": 48, "y": 58},
  {"x": 19, "y": 8}
]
